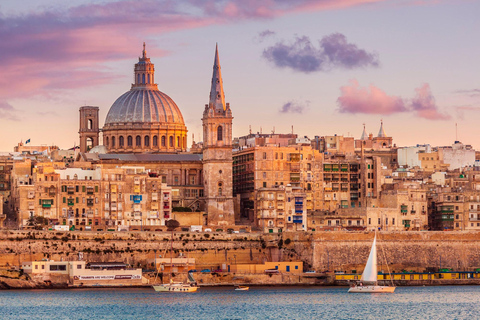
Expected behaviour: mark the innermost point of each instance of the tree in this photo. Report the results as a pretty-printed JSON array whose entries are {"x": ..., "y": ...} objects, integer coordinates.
[{"x": 37, "y": 222}]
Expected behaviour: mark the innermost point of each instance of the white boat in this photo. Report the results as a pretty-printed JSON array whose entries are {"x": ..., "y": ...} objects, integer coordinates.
[
  {"x": 242, "y": 288},
  {"x": 175, "y": 287},
  {"x": 368, "y": 283}
]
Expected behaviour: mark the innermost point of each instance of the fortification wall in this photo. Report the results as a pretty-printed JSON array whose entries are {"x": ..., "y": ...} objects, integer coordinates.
[{"x": 345, "y": 251}]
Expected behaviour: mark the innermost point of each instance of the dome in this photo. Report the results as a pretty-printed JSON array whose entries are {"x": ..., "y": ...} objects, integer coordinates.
[
  {"x": 144, "y": 120},
  {"x": 145, "y": 105}
]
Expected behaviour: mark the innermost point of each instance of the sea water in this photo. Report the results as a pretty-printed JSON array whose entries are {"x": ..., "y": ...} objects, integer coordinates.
[{"x": 442, "y": 302}]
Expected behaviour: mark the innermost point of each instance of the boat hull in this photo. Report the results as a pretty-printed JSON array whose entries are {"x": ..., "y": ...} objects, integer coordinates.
[
  {"x": 371, "y": 289},
  {"x": 242, "y": 288},
  {"x": 169, "y": 288}
]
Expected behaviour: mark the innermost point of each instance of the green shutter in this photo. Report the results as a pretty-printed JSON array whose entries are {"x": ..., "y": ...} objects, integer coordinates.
[
  {"x": 83, "y": 188},
  {"x": 64, "y": 199},
  {"x": 76, "y": 199},
  {"x": 96, "y": 188},
  {"x": 40, "y": 201}
]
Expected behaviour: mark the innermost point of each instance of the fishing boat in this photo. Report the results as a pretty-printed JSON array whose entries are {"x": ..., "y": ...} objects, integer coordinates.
[
  {"x": 242, "y": 288},
  {"x": 369, "y": 282}
]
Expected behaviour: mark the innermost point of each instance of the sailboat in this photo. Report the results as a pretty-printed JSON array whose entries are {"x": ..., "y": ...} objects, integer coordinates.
[{"x": 369, "y": 283}]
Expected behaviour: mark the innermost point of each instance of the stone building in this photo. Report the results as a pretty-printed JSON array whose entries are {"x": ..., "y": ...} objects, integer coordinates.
[
  {"x": 281, "y": 208},
  {"x": 270, "y": 167}
]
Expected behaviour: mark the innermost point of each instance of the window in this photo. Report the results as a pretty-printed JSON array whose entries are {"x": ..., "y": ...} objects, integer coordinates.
[
  {"x": 129, "y": 141},
  {"x": 138, "y": 141},
  {"x": 178, "y": 142},
  {"x": 170, "y": 141},
  {"x": 155, "y": 141},
  {"x": 164, "y": 141},
  {"x": 220, "y": 133},
  {"x": 106, "y": 141},
  {"x": 220, "y": 189},
  {"x": 113, "y": 141},
  {"x": 264, "y": 155},
  {"x": 121, "y": 141},
  {"x": 146, "y": 141}
]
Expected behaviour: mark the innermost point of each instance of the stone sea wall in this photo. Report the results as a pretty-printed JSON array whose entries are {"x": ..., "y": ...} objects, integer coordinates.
[{"x": 341, "y": 251}]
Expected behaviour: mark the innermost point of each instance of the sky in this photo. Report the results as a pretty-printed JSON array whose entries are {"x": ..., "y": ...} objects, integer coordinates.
[{"x": 321, "y": 67}]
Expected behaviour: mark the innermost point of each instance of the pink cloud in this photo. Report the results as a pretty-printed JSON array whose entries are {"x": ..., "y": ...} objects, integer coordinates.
[
  {"x": 424, "y": 104},
  {"x": 372, "y": 100},
  {"x": 7, "y": 112},
  {"x": 45, "y": 47}
]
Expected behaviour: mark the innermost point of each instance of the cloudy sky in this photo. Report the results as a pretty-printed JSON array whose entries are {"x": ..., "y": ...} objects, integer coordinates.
[{"x": 322, "y": 66}]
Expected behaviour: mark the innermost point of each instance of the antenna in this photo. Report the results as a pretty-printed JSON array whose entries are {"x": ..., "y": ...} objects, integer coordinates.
[
  {"x": 456, "y": 132},
  {"x": 250, "y": 129},
  {"x": 292, "y": 129}
]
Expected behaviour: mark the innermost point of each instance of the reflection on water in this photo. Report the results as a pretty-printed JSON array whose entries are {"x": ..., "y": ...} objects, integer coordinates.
[{"x": 449, "y": 302}]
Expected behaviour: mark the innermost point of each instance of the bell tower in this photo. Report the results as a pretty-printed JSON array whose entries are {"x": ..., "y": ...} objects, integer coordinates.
[
  {"x": 89, "y": 130},
  {"x": 217, "y": 153}
]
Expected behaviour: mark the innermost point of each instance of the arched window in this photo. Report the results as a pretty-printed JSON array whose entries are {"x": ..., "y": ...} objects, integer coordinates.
[
  {"x": 170, "y": 141},
  {"x": 138, "y": 141},
  {"x": 121, "y": 141},
  {"x": 178, "y": 141},
  {"x": 113, "y": 141},
  {"x": 155, "y": 141},
  {"x": 129, "y": 141},
  {"x": 138, "y": 78},
  {"x": 106, "y": 141},
  {"x": 146, "y": 141},
  {"x": 220, "y": 133},
  {"x": 164, "y": 141},
  {"x": 143, "y": 78}
]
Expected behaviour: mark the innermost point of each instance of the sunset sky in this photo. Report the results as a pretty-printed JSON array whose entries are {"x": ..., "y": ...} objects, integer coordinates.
[{"x": 324, "y": 67}]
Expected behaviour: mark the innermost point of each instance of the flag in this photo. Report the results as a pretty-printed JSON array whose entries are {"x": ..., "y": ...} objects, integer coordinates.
[{"x": 27, "y": 141}]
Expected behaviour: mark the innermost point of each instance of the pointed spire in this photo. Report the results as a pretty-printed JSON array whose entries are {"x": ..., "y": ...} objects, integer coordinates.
[
  {"x": 381, "y": 133},
  {"x": 364, "y": 134},
  {"x": 217, "y": 97}
]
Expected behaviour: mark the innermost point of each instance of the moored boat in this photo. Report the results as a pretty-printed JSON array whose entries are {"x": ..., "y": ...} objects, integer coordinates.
[{"x": 242, "y": 288}]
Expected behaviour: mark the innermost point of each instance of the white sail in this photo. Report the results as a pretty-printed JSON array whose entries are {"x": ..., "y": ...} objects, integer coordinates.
[{"x": 370, "y": 272}]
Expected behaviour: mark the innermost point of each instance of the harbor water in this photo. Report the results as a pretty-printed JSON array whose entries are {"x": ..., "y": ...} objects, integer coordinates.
[{"x": 441, "y": 302}]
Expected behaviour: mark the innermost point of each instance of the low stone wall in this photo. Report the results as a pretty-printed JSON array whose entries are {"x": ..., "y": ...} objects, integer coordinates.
[{"x": 321, "y": 251}]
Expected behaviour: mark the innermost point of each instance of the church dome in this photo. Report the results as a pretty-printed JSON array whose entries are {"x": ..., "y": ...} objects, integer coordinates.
[
  {"x": 144, "y": 105},
  {"x": 144, "y": 120}
]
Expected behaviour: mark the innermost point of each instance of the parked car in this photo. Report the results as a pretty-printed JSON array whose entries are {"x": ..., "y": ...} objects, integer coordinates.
[
  {"x": 194, "y": 270},
  {"x": 206, "y": 270},
  {"x": 207, "y": 230}
]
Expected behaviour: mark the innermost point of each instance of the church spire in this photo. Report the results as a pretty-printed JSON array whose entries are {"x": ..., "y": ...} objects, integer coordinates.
[
  {"x": 381, "y": 133},
  {"x": 217, "y": 97},
  {"x": 364, "y": 134}
]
